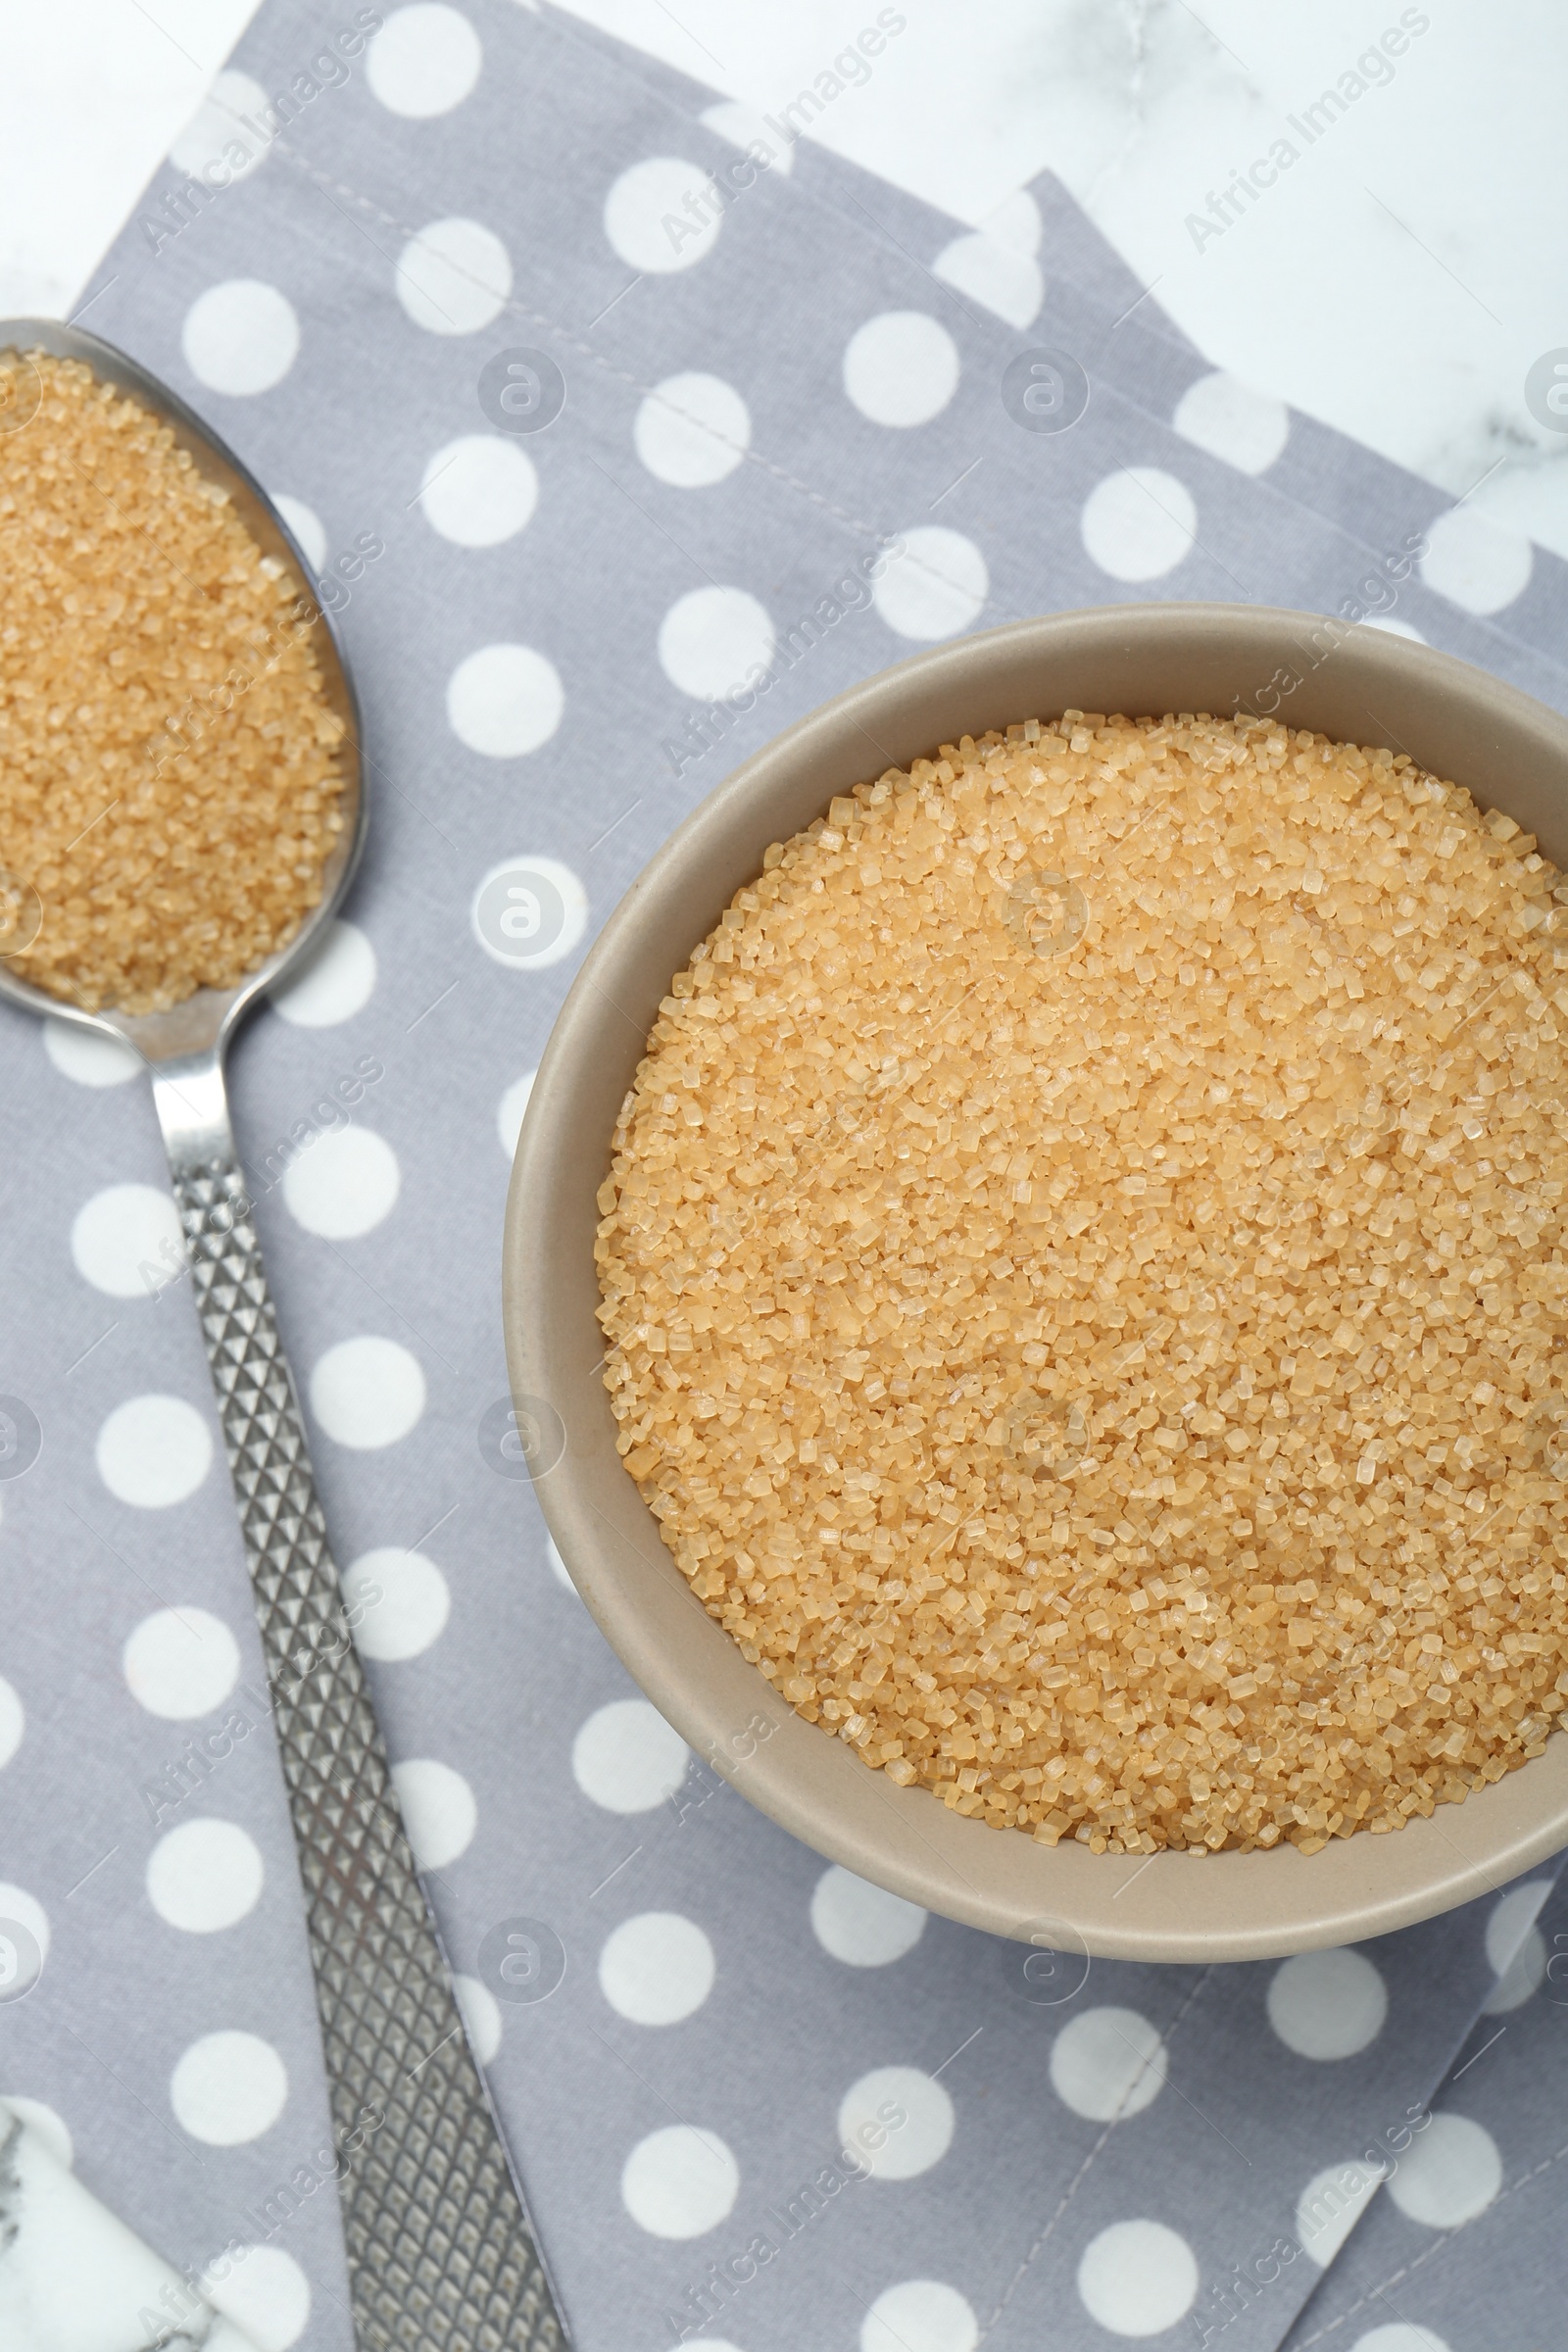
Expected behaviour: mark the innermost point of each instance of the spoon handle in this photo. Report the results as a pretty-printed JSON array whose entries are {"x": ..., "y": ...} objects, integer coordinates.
[{"x": 441, "y": 2257}]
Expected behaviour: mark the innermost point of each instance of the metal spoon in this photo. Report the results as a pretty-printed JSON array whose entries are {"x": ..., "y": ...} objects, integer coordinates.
[{"x": 440, "y": 2252}]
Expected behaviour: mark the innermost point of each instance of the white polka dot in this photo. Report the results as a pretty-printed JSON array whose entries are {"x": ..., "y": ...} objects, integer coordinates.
[
  {"x": 368, "y": 1392},
  {"x": 996, "y": 275},
  {"x": 1522, "y": 1977},
  {"x": 154, "y": 1451},
  {"x": 21, "y": 1967},
  {"x": 479, "y": 490},
  {"x": 126, "y": 1240},
  {"x": 438, "y": 1810},
  {"x": 1137, "y": 2277},
  {"x": 333, "y": 982},
  {"x": 1137, "y": 524},
  {"x": 424, "y": 60},
  {"x": 509, "y": 1112},
  {"x": 1449, "y": 2174},
  {"x": 1474, "y": 563},
  {"x": 862, "y": 1925},
  {"x": 12, "y": 1722},
  {"x": 454, "y": 277},
  {"x": 713, "y": 641},
  {"x": 1226, "y": 417},
  {"x": 692, "y": 430},
  {"x": 204, "y": 1875},
  {"x": 920, "y": 2315},
  {"x": 264, "y": 2292},
  {"x": 88, "y": 1057},
  {"x": 900, "y": 368},
  {"x": 1108, "y": 2063},
  {"x": 1517, "y": 1911},
  {"x": 1016, "y": 221},
  {"x": 180, "y": 1663},
  {"x": 210, "y": 147},
  {"x": 1399, "y": 2335},
  {"x": 656, "y": 1969},
  {"x": 529, "y": 912},
  {"x": 628, "y": 1759},
  {"x": 1393, "y": 629},
  {"x": 398, "y": 1603},
  {"x": 307, "y": 527},
  {"x": 745, "y": 127},
  {"x": 343, "y": 1184},
  {"x": 48, "y": 2126},
  {"x": 1327, "y": 2004},
  {"x": 504, "y": 700},
  {"x": 661, "y": 214},
  {"x": 935, "y": 586},
  {"x": 679, "y": 2182},
  {"x": 228, "y": 2087},
  {"x": 1330, "y": 2206},
  {"x": 563, "y": 1575},
  {"x": 240, "y": 337},
  {"x": 481, "y": 2016},
  {"x": 898, "y": 2120},
  {"x": 1516, "y": 1950}
]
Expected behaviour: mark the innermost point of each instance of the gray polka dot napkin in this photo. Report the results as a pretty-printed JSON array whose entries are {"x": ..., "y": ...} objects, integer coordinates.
[
  {"x": 1462, "y": 2241},
  {"x": 1040, "y": 265},
  {"x": 586, "y": 430}
]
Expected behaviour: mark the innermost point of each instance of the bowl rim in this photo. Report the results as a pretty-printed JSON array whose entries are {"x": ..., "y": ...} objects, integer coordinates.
[{"x": 1239, "y": 1906}]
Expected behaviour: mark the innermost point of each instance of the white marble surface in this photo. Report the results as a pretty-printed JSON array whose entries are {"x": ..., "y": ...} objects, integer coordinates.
[
  {"x": 1398, "y": 282},
  {"x": 91, "y": 96},
  {"x": 73, "y": 2278}
]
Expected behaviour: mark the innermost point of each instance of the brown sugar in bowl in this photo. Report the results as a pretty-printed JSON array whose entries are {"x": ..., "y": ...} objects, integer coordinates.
[{"x": 1368, "y": 690}]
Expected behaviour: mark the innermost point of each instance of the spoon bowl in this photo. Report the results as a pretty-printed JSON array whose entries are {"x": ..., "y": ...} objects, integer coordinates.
[{"x": 203, "y": 1023}]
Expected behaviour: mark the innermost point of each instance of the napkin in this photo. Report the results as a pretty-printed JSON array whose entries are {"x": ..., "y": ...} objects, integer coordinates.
[
  {"x": 546, "y": 626},
  {"x": 1462, "y": 2243},
  {"x": 1039, "y": 264}
]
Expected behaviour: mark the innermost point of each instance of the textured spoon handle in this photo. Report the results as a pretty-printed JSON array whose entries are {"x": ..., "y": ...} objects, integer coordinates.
[{"x": 440, "y": 2253}]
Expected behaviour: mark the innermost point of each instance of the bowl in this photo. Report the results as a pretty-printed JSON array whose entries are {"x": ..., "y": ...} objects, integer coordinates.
[{"x": 1353, "y": 684}]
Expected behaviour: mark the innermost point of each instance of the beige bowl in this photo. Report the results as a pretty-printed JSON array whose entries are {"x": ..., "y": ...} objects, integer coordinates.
[{"x": 1356, "y": 685}]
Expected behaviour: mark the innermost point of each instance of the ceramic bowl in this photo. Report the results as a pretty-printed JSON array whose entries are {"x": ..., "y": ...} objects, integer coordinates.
[{"x": 1360, "y": 685}]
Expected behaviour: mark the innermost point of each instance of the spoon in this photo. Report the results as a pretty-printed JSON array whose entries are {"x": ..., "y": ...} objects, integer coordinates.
[{"x": 441, "y": 2258}]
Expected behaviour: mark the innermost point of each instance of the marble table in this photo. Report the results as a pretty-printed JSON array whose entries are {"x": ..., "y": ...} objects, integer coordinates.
[{"x": 73, "y": 2278}]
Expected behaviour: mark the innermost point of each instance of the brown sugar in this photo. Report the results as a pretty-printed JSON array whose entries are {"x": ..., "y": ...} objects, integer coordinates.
[
  {"x": 169, "y": 778},
  {"x": 1084, "y": 1281}
]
